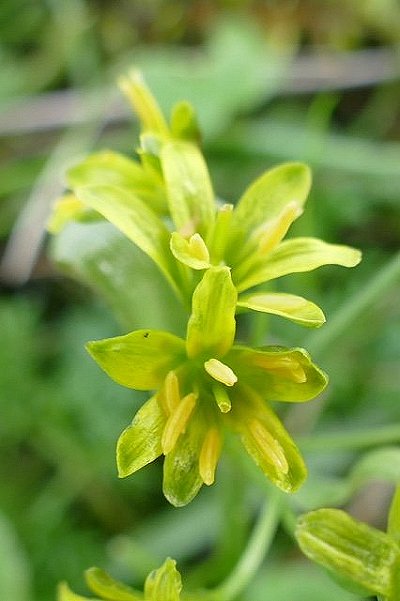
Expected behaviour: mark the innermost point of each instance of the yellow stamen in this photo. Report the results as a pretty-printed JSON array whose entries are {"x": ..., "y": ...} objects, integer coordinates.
[
  {"x": 220, "y": 372},
  {"x": 209, "y": 456},
  {"x": 222, "y": 398},
  {"x": 268, "y": 445},
  {"x": 177, "y": 421},
  {"x": 198, "y": 248},
  {"x": 272, "y": 232},
  {"x": 172, "y": 395},
  {"x": 287, "y": 367}
]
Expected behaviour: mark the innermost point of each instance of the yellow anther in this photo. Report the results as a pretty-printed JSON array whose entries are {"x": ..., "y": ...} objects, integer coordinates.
[
  {"x": 220, "y": 372},
  {"x": 268, "y": 445},
  {"x": 177, "y": 422},
  {"x": 171, "y": 388},
  {"x": 209, "y": 456},
  {"x": 287, "y": 367},
  {"x": 272, "y": 232}
]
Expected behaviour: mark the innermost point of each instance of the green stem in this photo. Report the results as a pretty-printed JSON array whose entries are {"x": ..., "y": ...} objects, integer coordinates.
[
  {"x": 352, "y": 440},
  {"x": 258, "y": 545}
]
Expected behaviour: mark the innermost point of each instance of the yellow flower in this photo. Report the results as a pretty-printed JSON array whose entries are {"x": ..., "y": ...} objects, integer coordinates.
[{"x": 204, "y": 386}]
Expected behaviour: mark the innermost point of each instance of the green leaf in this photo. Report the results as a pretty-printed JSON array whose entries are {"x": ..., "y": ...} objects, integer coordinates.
[
  {"x": 266, "y": 440},
  {"x": 295, "y": 308},
  {"x": 133, "y": 218},
  {"x": 106, "y": 587},
  {"x": 278, "y": 373},
  {"x": 350, "y": 548},
  {"x": 394, "y": 516},
  {"x": 298, "y": 255},
  {"x": 189, "y": 191},
  {"x": 164, "y": 584},
  {"x": 140, "y": 443},
  {"x": 184, "y": 123},
  {"x": 211, "y": 327},
  {"x": 109, "y": 168},
  {"x": 269, "y": 194},
  {"x": 101, "y": 257},
  {"x": 140, "y": 359},
  {"x": 64, "y": 593},
  {"x": 182, "y": 479}
]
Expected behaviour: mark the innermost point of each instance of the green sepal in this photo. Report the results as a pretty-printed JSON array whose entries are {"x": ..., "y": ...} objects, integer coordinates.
[
  {"x": 267, "y": 196},
  {"x": 257, "y": 367},
  {"x": 107, "y": 588},
  {"x": 351, "y": 549},
  {"x": 184, "y": 124},
  {"x": 182, "y": 480},
  {"x": 64, "y": 593},
  {"x": 211, "y": 327},
  {"x": 164, "y": 584},
  {"x": 139, "y": 223},
  {"x": 299, "y": 255},
  {"x": 285, "y": 466},
  {"x": 394, "y": 516},
  {"x": 109, "y": 168},
  {"x": 297, "y": 309},
  {"x": 140, "y": 443},
  {"x": 189, "y": 190},
  {"x": 140, "y": 359}
]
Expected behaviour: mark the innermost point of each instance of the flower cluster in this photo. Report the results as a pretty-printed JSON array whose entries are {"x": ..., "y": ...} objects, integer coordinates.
[{"x": 214, "y": 256}]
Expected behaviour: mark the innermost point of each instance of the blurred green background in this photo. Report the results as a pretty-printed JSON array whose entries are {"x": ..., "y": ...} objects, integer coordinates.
[{"x": 316, "y": 81}]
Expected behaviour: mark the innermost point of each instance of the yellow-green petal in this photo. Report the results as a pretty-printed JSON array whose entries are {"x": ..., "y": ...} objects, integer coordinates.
[
  {"x": 127, "y": 212},
  {"x": 184, "y": 122},
  {"x": 114, "y": 169},
  {"x": 140, "y": 443},
  {"x": 143, "y": 103},
  {"x": 65, "y": 209},
  {"x": 182, "y": 480},
  {"x": 278, "y": 373},
  {"x": 64, "y": 593},
  {"x": 211, "y": 327},
  {"x": 268, "y": 195},
  {"x": 164, "y": 584},
  {"x": 189, "y": 191},
  {"x": 299, "y": 255},
  {"x": 296, "y": 308},
  {"x": 267, "y": 441},
  {"x": 351, "y": 549},
  {"x": 106, "y": 587},
  {"x": 140, "y": 359},
  {"x": 192, "y": 252}
]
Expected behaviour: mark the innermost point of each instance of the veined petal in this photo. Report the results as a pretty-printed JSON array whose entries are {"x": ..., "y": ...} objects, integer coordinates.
[
  {"x": 164, "y": 584},
  {"x": 211, "y": 327},
  {"x": 292, "y": 307},
  {"x": 139, "y": 360},
  {"x": 140, "y": 443},
  {"x": 106, "y": 587},
  {"x": 127, "y": 212},
  {"x": 298, "y": 255},
  {"x": 64, "y": 593},
  {"x": 278, "y": 373},
  {"x": 143, "y": 103},
  {"x": 189, "y": 191},
  {"x": 267, "y": 441},
  {"x": 182, "y": 480},
  {"x": 192, "y": 252},
  {"x": 267, "y": 197},
  {"x": 351, "y": 549}
]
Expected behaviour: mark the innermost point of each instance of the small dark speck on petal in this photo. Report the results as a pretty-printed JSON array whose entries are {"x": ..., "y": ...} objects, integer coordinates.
[{"x": 146, "y": 334}]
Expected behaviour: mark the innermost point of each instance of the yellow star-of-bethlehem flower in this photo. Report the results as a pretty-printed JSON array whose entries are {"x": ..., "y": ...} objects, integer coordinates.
[
  {"x": 204, "y": 386},
  {"x": 166, "y": 205},
  {"x": 163, "y": 584}
]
